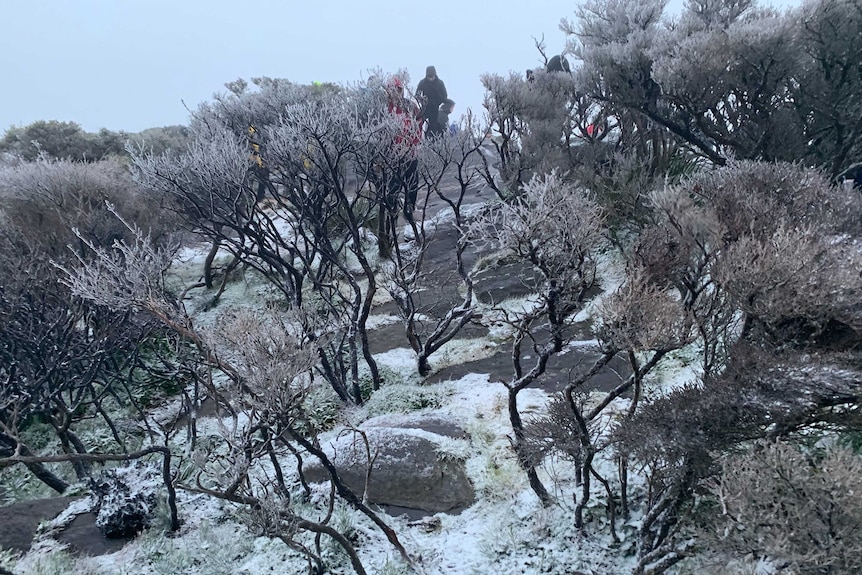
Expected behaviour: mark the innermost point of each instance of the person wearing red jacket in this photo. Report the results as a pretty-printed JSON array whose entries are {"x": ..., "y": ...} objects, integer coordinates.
[{"x": 407, "y": 140}]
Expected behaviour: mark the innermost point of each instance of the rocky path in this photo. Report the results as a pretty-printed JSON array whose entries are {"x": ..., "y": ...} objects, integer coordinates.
[{"x": 445, "y": 290}]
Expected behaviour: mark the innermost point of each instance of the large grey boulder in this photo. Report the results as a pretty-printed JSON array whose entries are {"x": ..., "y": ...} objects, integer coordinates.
[{"x": 407, "y": 470}]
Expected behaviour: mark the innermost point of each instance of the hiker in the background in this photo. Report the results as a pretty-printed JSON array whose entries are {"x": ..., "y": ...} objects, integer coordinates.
[
  {"x": 531, "y": 76},
  {"x": 443, "y": 116},
  {"x": 395, "y": 170},
  {"x": 558, "y": 64},
  {"x": 406, "y": 170},
  {"x": 431, "y": 91},
  {"x": 372, "y": 85}
]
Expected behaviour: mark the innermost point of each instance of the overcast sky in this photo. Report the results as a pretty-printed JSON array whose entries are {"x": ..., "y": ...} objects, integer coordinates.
[{"x": 130, "y": 65}]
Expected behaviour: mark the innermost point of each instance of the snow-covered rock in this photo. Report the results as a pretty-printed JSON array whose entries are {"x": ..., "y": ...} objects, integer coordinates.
[
  {"x": 127, "y": 499},
  {"x": 407, "y": 469}
]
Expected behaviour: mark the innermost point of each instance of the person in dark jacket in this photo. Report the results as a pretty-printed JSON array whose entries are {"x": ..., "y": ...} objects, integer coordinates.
[
  {"x": 431, "y": 91},
  {"x": 558, "y": 64}
]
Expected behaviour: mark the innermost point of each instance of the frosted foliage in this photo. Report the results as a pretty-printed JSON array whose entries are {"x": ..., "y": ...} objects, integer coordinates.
[
  {"x": 45, "y": 199},
  {"x": 207, "y": 179},
  {"x": 609, "y": 68},
  {"x": 612, "y": 38},
  {"x": 296, "y": 124},
  {"x": 261, "y": 105},
  {"x": 689, "y": 219},
  {"x": 774, "y": 237},
  {"x": 799, "y": 509},
  {"x": 52, "y": 183},
  {"x": 505, "y": 96},
  {"x": 728, "y": 79},
  {"x": 535, "y": 122},
  {"x": 715, "y": 12},
  {"x": 270, "y": 356},
  {"x": 697, "y": 65},
  {"x": 830, "y": 80},
  {"x": 603, "y": 22},
  {"x": 317, "y": 136},
  {"x": 130, "y": 274},
  {"x": 553, "y": 225},
  {"x": 756, "y": 198},
  {"x": 642, "y": 316},
  {"x": 793, "y": 274},
  {"x": 733, "y": 78}
]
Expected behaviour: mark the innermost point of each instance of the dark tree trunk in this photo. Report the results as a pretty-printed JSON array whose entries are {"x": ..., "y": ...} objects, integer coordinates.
[
  {"x": 208, "y": 264},
  {"x": 524, "y": 458}
]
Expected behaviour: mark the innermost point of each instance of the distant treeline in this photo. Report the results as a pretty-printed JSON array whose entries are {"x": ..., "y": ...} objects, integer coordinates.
[{"x": 67, "y": 140}]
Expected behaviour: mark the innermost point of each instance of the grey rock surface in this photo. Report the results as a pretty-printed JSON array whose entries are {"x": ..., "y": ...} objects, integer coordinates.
[
  {"x": 18, "y": 521},
  {"x": 407, "y": 470}
]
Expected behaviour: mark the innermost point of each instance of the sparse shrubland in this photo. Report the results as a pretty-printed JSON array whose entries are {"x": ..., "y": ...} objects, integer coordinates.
[{"x": 705, "y": 159}]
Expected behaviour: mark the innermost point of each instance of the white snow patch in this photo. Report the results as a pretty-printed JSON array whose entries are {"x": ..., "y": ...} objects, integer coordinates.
[
  {"x": 610, "y": 273},
  {"x": 381, "y": 320}
]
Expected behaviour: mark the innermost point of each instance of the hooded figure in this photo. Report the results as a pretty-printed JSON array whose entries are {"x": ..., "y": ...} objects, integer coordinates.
[
  {"x": 558, "y": 64},
  {"x": 432, "y": 92}
]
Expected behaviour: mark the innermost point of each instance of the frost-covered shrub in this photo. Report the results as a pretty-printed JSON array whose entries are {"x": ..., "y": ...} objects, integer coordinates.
[
  {"x": 801, "y": 509},
  {"x": 57, "y": 563},
  {"x": 46, "y": 200},
  {"x": 321, "y": 407},
  {"x": 402, "y": 399},
  {"x": 210, "y": 549},
  {"x": 7, "y": 561},
  {"x": 127, "y": 499}
]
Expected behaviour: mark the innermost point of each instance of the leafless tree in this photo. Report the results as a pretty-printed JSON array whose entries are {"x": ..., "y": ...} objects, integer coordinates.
[
  {"x": 310, "y": 161},
  {"x": 554, "y": 227},
  {"x": 64, "y": 360},
  {"x": 267, "y": 363},
  {"x": 644, "y": 322},
  {"x": 456, "y": 157},
  {"x": 506, "y": 100}
]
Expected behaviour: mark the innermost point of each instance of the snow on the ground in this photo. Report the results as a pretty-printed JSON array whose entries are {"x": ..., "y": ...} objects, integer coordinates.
[
  {"x": 376, "y": 321},
  {"x": 610, "y": 273},
  {"x": 455, "y": 352},
  {"x": 506, "y": 531}
]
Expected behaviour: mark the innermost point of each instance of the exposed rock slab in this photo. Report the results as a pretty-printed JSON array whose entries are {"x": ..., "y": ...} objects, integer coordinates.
[
  {"x": 85, "y": 538},
  {"x": 18, "y": 522},
  {"x": 425, "y": 422},
  {"x": 407, "y": 470}
]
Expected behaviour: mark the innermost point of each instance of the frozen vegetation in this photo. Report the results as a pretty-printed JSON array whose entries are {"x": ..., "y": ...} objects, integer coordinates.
[{"x": 617, "y": 330}]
